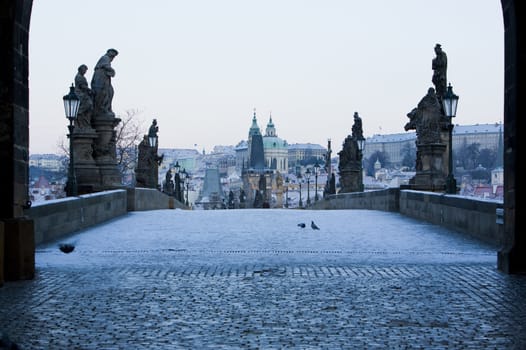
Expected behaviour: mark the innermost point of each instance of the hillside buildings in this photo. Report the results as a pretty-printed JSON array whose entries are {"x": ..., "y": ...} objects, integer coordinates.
[{"x": 486, "y": 135}]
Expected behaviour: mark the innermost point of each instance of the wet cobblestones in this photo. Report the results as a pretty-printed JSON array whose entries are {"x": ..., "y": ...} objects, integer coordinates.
[
  {"x": 250, "y": 297},
  {"x": 267, "y": 307}
]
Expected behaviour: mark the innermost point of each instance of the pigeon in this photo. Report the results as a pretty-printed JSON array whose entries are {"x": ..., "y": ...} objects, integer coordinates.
[
  {"x": 313, "y": 225},
  {"x": 66, "y": 248},
  {"x": 302, "y": 225}
]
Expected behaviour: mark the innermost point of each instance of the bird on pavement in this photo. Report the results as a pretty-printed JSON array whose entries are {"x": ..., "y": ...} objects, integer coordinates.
[
  {"x": 302, "y": 225},
  {"x": 314, "y": 226},
  {"x": 66, "y": 248}
]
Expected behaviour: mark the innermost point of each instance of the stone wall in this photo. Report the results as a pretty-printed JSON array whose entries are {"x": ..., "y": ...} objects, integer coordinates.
[
  {"x": 384, "y": 200},
  {"x": 58, "y": 218},
  {"x": 55, "y": 219},
  {"x": 150, "y": 199},
  {"x": 471, "y": 216}
]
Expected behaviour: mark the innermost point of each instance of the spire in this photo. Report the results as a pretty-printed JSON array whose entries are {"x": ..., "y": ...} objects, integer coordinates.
[
  {"x": 271, "y": 130},
  {"x": 254, "y": 129}
]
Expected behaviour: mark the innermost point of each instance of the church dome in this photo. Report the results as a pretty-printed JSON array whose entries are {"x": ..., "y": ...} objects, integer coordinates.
[{"x": 274, "y": 142}]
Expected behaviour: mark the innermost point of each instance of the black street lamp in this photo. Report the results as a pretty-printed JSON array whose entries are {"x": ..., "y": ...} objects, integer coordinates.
[
  {"x": 361, "y": 146},
  {"x": 152, "y": 141},
  {"x": 287, "y": 192},
  {"x": 316, "y": 173},
  {"x": 186, "y": 179},
  {"x": 177, "y": 178},
  {"x": 71, "y": 107},
  {"x": 307, "y": 176},
  {"x": 449, "y": 103},
  {"x": 300, "y": 203}
]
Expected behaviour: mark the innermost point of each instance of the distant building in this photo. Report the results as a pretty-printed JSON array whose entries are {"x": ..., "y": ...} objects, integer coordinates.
[
  {"x": 275, "y": 149},
  {"x": 51, "y": 162},
  {"x": 279, "y": 155},
  {"x": 304, "y": 151},
  {"x": 487, "y": 135}
]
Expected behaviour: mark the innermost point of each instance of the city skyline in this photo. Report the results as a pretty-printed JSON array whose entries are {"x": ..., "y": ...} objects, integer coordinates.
[{"x": 200, "y": 68}]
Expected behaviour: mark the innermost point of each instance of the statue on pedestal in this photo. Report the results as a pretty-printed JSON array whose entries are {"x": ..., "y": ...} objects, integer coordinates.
[
  {"x": 168, "y": 183},
  {"x": 101, "y": 84},
  {"x": 439, "y": 66},
  {"x": 429, "y": 122},
  {"x": 357, "y": 130},
  {"x": 427, "y": 119},
  {"x": 83, "y": 91},
  {"x": 350, "y": 165},
  {"x": 154, "y": 129}
]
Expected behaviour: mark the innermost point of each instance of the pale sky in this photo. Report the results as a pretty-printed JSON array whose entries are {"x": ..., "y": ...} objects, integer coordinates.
[{"x": 200, "y": 67}]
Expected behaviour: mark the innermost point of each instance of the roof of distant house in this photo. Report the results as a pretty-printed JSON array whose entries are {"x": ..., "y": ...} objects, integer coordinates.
[
  {"x": 306, "y": 146},
  {"x": 457, "y": 130}
]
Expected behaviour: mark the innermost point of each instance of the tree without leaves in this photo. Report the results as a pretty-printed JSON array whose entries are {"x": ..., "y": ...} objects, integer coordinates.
[{"x": 128, "y": 135}]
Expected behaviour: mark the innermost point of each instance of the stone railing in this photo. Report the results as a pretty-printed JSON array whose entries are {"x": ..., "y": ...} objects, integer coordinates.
[
  {"x": 57, "y": 218},
  {"x": 478, "y": 218},
  {"x": 472, "y": 216}
]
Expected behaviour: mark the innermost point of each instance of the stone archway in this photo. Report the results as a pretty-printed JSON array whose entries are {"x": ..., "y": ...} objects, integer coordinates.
[{"x": 14, "y": 133}]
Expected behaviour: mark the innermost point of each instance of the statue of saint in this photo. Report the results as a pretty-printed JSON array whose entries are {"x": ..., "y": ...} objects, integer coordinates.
[
  {"x": 101, "y": 84},
  {"x": 349, "y": 153},
  {"x": 426, "y": 119},
  {"x": 439, "y": 65},
  {"x": 154, "y": 129},
  {"x": 168, "y": 176},
  {"x": 86, "y": 103},
  {"x": 357, "y": 131}
]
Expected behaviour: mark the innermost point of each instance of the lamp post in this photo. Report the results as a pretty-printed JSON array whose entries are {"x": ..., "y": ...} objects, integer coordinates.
[
  {"x": 187, "y": 187},
  {"x": 449, "y": 103},
  {"x": 71, "y": 107},
  {"x": 361, "y": 146},
  {"x": 287, "y": 192},
  {"x": 308, "y": 173},
  {"x": 177, "y": 178},
  {"x": 300, "y": 203},
  {"x": 316, "y": 172},
  {"x": 185, "y": 177}
]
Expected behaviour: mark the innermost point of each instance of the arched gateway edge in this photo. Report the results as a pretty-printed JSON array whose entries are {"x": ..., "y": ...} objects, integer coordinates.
[{"x": 17, "y": 233}]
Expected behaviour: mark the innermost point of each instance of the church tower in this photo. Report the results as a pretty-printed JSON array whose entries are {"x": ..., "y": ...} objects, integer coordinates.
[
  {"x": 254, "y": 130},
  {"x": 271, "y": 129}
]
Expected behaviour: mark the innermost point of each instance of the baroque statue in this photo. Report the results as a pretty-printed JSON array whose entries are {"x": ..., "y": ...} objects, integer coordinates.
[
  {"x": 357, "y": 130},
  {"x": 154, "y": 129},
  {"x": 439, "y": 66},
  {"x": 426, "y": 119},
  {"x": 101, "y": 84},
  {"x": 85, "y": 96},
  {"x": 350, "y": 153}
]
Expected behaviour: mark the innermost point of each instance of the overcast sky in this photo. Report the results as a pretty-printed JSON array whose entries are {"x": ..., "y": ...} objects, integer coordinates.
[{"x": 200, "y": 67}]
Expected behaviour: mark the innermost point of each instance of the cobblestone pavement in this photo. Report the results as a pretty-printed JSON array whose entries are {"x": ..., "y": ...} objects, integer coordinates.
[{"x": 109, "y": 294}]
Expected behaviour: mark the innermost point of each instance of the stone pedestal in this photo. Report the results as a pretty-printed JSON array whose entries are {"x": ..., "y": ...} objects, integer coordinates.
[
  {"x": 351, "y": 179},
  {"x": 146, "y": 177},
  {"x": 430, "y": 174},
  {"x": 105, "y": 152},
  {"x": 86, "y": 170},
  {"x": 19, "y": 249}
]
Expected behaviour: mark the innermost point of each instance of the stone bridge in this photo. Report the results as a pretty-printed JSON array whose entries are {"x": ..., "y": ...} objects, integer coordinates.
[{"x": 231, "y": 279}]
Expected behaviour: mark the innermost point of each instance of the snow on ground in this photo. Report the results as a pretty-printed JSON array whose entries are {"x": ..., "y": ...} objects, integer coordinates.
[{"x": 263, "y": 236}]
